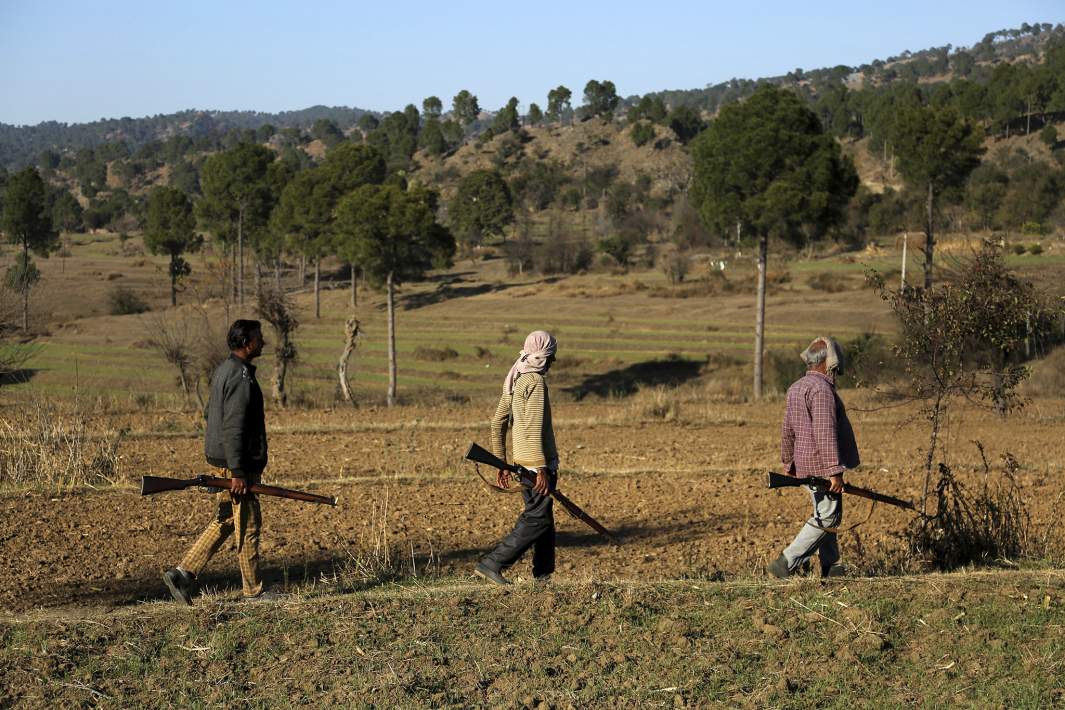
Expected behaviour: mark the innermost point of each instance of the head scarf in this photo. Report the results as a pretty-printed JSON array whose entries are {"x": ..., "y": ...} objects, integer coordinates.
[
  {"x": 539, "y": 347},
  {"x": 834, "y": 360}
]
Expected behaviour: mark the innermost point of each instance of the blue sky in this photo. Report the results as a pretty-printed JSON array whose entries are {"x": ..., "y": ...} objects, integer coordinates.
[{"x": 80, "y": 61}]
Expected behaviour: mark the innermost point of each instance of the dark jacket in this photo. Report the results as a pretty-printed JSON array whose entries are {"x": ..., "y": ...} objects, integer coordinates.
[{"x": 236, "y": 424}]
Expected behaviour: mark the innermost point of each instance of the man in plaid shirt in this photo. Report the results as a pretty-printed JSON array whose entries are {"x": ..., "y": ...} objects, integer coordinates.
[{"x": 817, "y": 440}]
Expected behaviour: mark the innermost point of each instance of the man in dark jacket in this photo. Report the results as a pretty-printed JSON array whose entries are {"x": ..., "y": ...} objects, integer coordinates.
[{"x": 236, "y": 443}]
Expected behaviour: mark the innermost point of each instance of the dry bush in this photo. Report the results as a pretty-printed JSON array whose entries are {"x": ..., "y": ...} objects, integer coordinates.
[
  {"x": 45, "y": 447},
  {"x": 982, "y": 525},
  {"x": 171, "y": 338},
  {"x": 435, "y": 354},
  {"x": 828, "y": 282},
  {"x": 123, "y": 301},
  {"x": 276, "y": 308},
  {"x": 676, "y": 266},
  {"x": 661, "y": 403}
]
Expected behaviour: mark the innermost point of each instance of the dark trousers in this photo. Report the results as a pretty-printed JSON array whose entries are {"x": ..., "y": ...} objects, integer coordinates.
[{"x": 536, "y": 529}]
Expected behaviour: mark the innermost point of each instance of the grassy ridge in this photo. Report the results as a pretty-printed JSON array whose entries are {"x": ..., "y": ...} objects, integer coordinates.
[{"x": 972, "y": 639}]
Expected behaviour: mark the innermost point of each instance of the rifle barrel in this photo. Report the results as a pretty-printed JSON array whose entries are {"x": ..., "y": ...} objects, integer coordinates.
[{"x": 158, "y": 484}]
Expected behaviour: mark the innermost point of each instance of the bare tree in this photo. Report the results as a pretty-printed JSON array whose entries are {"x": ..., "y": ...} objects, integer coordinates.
[
  {"x": 275, "y": 308},
  {"x": 352, "y": 332},
  {"x": 209, "y": 350}
]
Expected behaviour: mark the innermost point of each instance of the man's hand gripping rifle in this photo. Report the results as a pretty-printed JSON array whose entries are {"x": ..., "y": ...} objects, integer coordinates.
[
  {"x": 779, "y": 480},
  {"x": 158, "y": 484},
  {"x": 526, "y": 478}
]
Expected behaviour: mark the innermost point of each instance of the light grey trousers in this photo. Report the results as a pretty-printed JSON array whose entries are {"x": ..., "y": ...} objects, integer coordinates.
[{"x": 817, "y": 534}]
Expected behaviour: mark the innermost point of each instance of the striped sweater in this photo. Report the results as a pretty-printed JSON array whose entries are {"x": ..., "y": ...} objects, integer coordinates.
[{"x": 527, "y": 413}]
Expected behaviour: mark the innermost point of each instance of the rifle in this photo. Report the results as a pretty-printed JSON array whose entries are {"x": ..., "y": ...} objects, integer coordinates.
[
  {"x": 779, "y": 480},
  {"x": 525, "y": 477},
  {"x": 157, "y": 484}
]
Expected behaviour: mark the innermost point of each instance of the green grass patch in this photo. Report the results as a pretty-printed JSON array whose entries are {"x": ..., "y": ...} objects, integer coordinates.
[{"x": 989, "y": 639}]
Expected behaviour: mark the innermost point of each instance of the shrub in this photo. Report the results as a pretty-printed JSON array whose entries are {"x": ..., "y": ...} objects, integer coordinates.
[
  {"x": 642, "y": 133},
  {"x": 435, "y": 354},
  {"x": 1035, "y": 249},
  {"x": 676, "y": 266},
  {"x": 1034, "y": 229},
  {"x": 870, "y": 361},
  {"x": 124, "y": 301},
  {"x": 558, "y": 255},
  {"x": 1018, "y": 249},
  {"x": 827, "y": 282},
  {"x": 1049, "y": 135}
]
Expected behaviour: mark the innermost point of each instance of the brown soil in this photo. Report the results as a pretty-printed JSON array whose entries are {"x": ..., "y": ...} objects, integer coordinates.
[{"x": 686, "y": 496}]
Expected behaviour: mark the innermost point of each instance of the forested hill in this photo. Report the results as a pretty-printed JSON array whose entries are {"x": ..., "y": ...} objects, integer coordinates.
[
  {"x": 24, "y": 145},
  {"x": 21, "y": 145}
]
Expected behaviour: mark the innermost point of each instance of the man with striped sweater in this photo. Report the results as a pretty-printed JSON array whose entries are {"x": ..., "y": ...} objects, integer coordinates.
[{"x": 525, "y": 409}]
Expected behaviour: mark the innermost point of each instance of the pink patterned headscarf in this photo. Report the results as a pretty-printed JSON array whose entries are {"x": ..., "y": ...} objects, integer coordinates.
[{"x": 539, "y": 347}]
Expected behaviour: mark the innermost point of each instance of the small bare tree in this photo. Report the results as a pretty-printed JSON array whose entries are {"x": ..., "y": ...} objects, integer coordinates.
[
  {"x": 170, "y": 338},
  {"x": 14, "y": 352},
  {"x": 968, "y": 338},
  {"x": 275, "y": 308},
  {"x": 352, "y": 332}
]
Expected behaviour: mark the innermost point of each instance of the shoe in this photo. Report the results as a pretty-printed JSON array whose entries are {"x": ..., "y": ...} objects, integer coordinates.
[
  {"x": 264, "y": 597},
  {"x": 835, "y": 570},
  {"x": 779, "y": 568},
  {"x": 180, "y": 584},
  {"x": 483, "y": 571}
]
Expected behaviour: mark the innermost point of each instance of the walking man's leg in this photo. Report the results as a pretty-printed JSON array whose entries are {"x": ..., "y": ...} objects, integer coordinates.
[
  {"x": 535, "y": 521},
  {"x": 181, "y": 580},
  {"x": 818, "y": 534},
  {"x": 250, "y": 518}
]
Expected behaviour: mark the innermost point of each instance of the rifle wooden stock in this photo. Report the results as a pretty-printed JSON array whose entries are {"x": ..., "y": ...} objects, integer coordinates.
[
  {"x": 779, "y": 480},
  {"x": 158, "y": 484},
  {"x": 526, "y": 477}
]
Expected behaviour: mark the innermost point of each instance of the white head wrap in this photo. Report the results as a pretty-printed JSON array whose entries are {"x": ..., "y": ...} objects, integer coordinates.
[
  {"x": 539, "y": 347},
  {"x": 830, "y": 353}
]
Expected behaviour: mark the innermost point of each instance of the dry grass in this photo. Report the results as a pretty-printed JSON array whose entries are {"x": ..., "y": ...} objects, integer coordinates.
[
  {"x": 378, "y": 559},
  {"x": 46, "y": 447},
  {"x": 1048, "y": 375}
]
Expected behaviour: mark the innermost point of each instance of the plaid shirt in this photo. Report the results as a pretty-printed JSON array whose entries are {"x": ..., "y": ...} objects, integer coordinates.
[{"x": 817, "y": 438}]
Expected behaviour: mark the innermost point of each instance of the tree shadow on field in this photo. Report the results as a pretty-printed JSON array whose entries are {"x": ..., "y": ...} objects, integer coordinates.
[
  {"x": 449, "y": 288},
  {"x": 18, "y": 377},
  {"x": 626, "y": 381}
]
